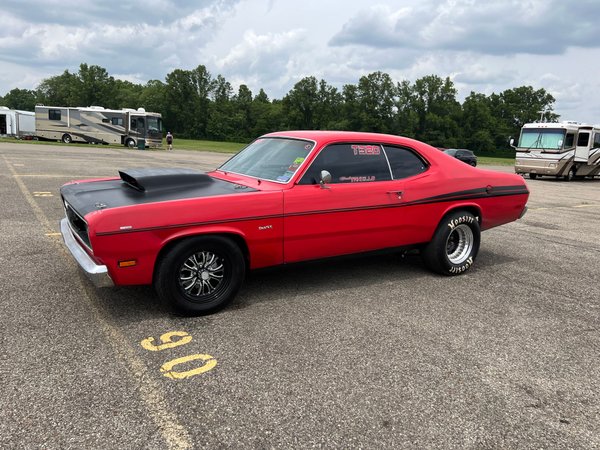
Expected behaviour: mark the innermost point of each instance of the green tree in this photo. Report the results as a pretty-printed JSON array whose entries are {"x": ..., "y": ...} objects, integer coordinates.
[
  {"x": 23, "y": 99},
  {"x": 153, "y": 97},
  {"x": 515, "y": 107},
  {"x": 328, "y": 107},
  {"x": 95, "y": 87},
  {"x": 434, "y": 102},
  {"x": 407, "y": 118},
  {"x": 478, "y": 124},
  {"x": 351, "y": 114},
  {"x": 242, "y": 108},
  {"x": 300, "y": 104},
  {"x": 59, "y": 90},
  {"x": 126, "y": 95},
  {"x": 222, "y": 118},
  {"x": 377, "y": 100},
  {"x": 187, "y": 101},
  {"x": 267, "y": 116}
]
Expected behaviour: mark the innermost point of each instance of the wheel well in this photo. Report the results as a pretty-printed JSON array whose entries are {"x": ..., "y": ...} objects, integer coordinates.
[
  {"x": 470, "y": 208},
  {"x": 237, "y": 239}
]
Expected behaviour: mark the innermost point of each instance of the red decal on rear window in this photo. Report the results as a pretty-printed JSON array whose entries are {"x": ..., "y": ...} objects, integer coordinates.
[{"x": 366, "y": 150}]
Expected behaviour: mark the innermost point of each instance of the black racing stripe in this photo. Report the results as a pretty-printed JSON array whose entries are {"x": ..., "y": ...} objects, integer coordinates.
[
  {"x": 191, "y": 224},
  {"x": 466, "y": 195}
]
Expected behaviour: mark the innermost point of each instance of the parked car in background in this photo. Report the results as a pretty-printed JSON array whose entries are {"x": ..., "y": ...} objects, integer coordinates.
[
  {"x": 287, "y": 197},
  {"x": 463, "y": 154}
]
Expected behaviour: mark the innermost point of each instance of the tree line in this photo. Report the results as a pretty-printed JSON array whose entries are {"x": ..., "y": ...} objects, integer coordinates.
[{"x": 196, "y": 105}]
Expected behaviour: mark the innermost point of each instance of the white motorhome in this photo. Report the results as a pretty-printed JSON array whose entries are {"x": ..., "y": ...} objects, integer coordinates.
[
  {"x": 95, "y": 124},
  {"x": 16, "y": 123},
  {"x": 562, "y": 149}
]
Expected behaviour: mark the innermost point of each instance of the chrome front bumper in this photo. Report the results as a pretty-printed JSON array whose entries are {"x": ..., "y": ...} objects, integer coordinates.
[{"x": 97, "y": 274}]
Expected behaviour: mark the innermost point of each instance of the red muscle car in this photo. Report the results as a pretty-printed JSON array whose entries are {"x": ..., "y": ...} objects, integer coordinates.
[{"x": 287, "y": 197}]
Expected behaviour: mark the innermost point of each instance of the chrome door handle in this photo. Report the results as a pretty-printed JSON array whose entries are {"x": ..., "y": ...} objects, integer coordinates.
[{"x": 397, "y": 194}]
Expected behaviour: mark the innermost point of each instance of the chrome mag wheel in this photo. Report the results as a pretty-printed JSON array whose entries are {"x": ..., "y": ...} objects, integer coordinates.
[
  {"x": 202, "y": 275},
  {"x": 459, "y": 244}
]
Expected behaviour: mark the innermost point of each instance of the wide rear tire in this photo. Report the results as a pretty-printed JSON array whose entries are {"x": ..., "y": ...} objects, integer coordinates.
[
  {"x": 200, "y": 275},
  {"x": 455, "y": 244}
]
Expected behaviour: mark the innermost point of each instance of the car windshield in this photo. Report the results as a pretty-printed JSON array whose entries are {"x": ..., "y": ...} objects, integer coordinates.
[
  {"x": 274, "y": 159},
  {"x": 541, "y": 138}
]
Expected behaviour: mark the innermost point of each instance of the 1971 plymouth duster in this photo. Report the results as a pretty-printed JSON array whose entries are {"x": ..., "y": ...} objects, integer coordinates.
[{"x": 287, "y": 197}]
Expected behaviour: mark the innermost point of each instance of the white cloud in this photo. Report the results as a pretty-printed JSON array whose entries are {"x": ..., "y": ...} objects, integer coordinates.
[
  {"x": 485, "y": 46},
  {"x": 497, "y": 27}
]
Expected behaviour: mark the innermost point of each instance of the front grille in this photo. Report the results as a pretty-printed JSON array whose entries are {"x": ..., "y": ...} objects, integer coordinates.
[{"x": 78, "y": 225}]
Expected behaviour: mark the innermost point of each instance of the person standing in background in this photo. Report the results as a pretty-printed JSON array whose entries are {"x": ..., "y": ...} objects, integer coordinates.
[{"x": 169, "y": 141}]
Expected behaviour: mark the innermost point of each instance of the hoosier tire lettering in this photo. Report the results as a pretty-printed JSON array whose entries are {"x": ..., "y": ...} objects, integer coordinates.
[
  {"x": 454, "y": 245},
  {"x": 463, "y": 219},
  {"x": 464, "y": 267}
]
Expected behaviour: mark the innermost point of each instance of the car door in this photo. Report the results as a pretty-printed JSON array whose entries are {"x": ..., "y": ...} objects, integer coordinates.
[{"x": 356, "y": 212}]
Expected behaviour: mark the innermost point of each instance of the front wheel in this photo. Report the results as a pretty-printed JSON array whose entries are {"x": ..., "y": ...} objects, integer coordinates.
[
  {"x": 67, "y": 139},
  {"x": 454, "y": 245},
  {"x": 570, "y": 174},
  {"x": 532, "y": 176},
  {"x": 200, "y": 275},
  {"x": 130, "y": 143}
]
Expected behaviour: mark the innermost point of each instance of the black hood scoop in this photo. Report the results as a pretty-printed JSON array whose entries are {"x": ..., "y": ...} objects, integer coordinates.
[
  {"x": 150, "y": 180},
  {"x": 139, "y": 186}
]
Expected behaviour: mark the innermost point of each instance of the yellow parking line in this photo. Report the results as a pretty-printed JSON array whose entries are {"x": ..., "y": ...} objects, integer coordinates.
[{"x": 175, "y": 435}]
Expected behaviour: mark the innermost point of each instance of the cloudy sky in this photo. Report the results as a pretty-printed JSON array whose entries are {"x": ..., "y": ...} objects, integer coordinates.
[{"x": 482, "y": 45}]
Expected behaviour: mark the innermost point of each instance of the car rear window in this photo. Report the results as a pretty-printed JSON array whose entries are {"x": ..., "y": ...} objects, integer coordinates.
[{"x": 404, "y": 162}]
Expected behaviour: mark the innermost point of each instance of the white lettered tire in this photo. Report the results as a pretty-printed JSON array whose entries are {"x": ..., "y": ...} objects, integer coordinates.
[{"x": 455, "y": 244}]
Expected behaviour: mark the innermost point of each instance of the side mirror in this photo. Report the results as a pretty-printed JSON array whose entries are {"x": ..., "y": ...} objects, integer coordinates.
[
  {"x": 325, "y": 178},
  {"x": 511, "y": 142}
]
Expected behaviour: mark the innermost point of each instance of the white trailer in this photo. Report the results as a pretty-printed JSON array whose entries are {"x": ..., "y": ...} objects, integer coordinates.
[
  {"x": 95, "y": 124},
  {"x": 16, "y": 123},
  {"x": 561, "y": 149}
]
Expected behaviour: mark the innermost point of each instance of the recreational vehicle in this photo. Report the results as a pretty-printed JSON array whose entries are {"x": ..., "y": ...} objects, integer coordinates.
[
  {"x": 563, "y": 150},
  {"x": 95, "y": 124},
  {"x": 15, "y": 123}
]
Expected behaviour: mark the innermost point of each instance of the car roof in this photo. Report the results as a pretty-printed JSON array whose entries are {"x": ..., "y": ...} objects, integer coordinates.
[{"x": 327, "y": 136}]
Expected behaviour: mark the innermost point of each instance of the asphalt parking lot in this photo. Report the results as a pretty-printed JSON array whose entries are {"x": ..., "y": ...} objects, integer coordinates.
[{"x": 374, "y": 352}]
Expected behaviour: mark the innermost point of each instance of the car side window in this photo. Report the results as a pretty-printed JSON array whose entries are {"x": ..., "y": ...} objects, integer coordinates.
[
  {"x": 404, "y": 162},
  {"x": 349, "y": 163}
]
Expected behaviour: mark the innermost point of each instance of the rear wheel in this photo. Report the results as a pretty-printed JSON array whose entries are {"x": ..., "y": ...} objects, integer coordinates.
[
  {"x": 200, "y": 275},
  {"x": 67, "y": 139},
  {"x": 455, "y": 244},
  {"x": 532, "y": 176}
]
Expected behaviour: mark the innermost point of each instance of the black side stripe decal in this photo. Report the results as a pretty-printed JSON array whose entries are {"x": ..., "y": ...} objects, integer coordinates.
[{"x": 499, "y": 191}]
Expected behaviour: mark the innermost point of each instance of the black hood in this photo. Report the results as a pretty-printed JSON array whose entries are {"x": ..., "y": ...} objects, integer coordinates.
[{"x": 138, "y": 186}]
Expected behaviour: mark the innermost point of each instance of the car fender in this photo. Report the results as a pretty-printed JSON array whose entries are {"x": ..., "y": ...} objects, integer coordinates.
[{"x": 472, "y": 207}]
